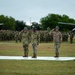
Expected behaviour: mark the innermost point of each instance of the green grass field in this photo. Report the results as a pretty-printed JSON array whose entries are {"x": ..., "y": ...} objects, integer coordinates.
[{"x": 27, "y": 67}]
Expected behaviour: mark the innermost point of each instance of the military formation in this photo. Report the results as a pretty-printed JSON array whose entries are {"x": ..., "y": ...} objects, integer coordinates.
[
  {"x": 7, "y": 35},
  {"x": 34, "y": 37},
  {"x": 71, "y": 37}
]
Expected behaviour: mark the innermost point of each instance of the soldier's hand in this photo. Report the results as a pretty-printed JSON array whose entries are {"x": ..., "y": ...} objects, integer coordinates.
[
  {"x": 53, "y": 29},
  {"x": 60, "y": 41}
]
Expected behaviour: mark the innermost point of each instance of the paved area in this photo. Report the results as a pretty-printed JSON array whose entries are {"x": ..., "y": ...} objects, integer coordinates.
[{"x": 38, "y": 58}]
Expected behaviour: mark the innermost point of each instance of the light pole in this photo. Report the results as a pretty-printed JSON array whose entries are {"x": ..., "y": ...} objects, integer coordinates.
[{"x": 30, "y": 21}]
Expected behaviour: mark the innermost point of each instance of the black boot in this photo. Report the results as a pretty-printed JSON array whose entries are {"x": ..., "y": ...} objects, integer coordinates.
[
  {"x": 27, "y": 54},
  {"x": 24, "y": 56},
  {"x": 34, "y": 56},
  {"x": 57, "y": 55}
]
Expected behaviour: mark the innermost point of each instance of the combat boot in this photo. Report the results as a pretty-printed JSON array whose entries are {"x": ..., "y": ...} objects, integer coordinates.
[
  {"x": 57, "y": 55},
  {"x": 27, "y": 54},
  {"x": 24, "y": 56},
  {"x": 34, "y": 56}
]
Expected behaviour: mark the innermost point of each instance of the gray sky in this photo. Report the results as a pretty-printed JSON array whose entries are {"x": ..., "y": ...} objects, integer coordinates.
[{"x": 36, "y": 9}]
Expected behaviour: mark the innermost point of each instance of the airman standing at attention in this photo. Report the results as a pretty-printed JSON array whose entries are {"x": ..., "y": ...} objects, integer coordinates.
[
  {"x": 71, "y": 37},
  {"x": 35, "y": 39},
  {"x": 16, "y": 36},
  {"x": 26, "y": 41}
]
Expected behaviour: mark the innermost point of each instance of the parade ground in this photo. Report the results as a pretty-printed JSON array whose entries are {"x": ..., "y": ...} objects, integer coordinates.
[{"x": 12, "y": 61}]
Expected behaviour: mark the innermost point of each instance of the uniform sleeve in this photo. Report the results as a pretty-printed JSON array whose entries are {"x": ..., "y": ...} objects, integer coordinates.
[
  {"x": 60, "y": 37},
  {"x": 51, "y": 32},
  {"x": 38, "y": 38},
  {"x": 29, "y": 37}
]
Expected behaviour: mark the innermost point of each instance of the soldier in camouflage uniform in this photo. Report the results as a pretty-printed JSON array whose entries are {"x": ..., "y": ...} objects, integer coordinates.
[
  {"x": 57, "y": 38},
  {"x": 71, "y": 37},
  {"x": 16, "y": 36},
  {"x": 35, "y": 39},
  {"x": 26, "y": 41}
]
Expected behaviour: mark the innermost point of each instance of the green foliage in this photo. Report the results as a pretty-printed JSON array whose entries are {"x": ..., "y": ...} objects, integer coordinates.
[
  {"x": 20, "y": 67},
  {"x": 8, "y": 22},
  {"x": 51, "y": 20},
  {"x": 35, "y": 24},
  {"x": 20, "y": 25}
]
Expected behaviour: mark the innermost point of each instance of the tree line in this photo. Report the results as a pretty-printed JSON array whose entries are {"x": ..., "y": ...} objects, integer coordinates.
[
  {"x": 9, "y": 23},
  {"x": 49, "y": 21}
]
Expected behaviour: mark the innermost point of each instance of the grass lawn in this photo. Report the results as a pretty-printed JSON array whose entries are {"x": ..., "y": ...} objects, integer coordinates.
[
  {"x": 27, "y": 67},
  {"x": 17, "y": 67}
]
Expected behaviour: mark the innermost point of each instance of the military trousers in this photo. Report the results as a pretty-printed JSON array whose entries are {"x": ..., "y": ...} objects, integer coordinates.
[
  {"x": 57, "y": 46},
  {"x": 34, "y": 46},
  {"x": 71, "y": 40},
  {"x": 25, "y": 46}
]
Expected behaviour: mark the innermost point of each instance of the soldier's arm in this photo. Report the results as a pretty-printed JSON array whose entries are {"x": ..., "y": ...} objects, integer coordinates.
[
  {"x": 38, "y": 38},
  {"x": 51, "y": 32},
  {"x": 21, "y": 31},
  {"x": 60, "y": 37},
  {"x": 29, "y": 37}
]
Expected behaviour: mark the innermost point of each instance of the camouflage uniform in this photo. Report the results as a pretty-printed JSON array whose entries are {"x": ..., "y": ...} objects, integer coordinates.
[
  {"x": 0, "y": 36},
  {"x": 71, "y": 37},
  {"x": 26, "y": 41},
  {"x": 57, "y": 38},
  {"x": 20, "y": 37},
  {"x": 16, "y": 36},
  {"x": 35, "y": 39}
]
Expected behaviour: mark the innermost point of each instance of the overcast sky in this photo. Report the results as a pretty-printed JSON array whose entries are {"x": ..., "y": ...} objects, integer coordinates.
[{"x": 36, "y": 9}]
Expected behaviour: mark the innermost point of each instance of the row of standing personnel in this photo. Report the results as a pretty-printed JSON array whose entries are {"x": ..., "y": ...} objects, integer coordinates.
[
  {"x": 34, "y": 38},
  {"x": 9, "y": 35},
  {"x": 30, "y": 37}
]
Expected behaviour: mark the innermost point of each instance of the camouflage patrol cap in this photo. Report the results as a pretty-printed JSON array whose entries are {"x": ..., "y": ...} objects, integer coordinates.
[
  {"x": 25, "y": 28},
  {"x": 34, "y": 29},
  {"x": 57, "y": 27}
]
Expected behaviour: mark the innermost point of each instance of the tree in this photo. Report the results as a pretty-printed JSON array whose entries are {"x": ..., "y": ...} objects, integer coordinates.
[
  {"x": 8, "y": 22},
  {"x": 20, "y": 25},
  {"x": 35, "y": 24},
  {"x": 51, "y": 20}
]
